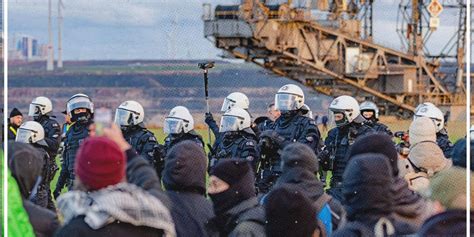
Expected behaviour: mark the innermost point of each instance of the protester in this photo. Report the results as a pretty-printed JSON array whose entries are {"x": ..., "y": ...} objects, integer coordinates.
[
  {"x": 367, "y": 180},
  {"x": 409, "y": 206},
  {"x": 448, "y": 192},
  {"x": 184, "y": 178},
  {"x": 290, "y": 213},
  {"x": 103, "y": 203},
  {"x": 300, "y": 166},
  {"x": 26, "y": 166},
  {"x": 427, "y": 159},
  {"x": 232, "y": 191}
]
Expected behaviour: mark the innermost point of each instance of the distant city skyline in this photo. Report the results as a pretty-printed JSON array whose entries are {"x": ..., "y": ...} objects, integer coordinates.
[{"x": 159, "y": 29}]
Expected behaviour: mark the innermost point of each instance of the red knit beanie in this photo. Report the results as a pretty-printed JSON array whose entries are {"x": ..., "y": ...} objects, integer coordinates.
[{"x": 100, "y": 163}]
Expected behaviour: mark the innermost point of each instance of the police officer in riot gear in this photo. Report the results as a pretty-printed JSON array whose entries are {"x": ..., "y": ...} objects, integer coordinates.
[
  {"x": 370, "y": 112},
  {"x": 436, "y": 115},
  {"x": 33, "y": 133},
  {"x": 129, "y": 116},
  {"x": 238, "y": 141},
  {"x": 41, "y": 109},
  {"x": 81, "y": 111},
  {"x": 234, "y": 99},
  {"x": 349, "y": 126},
  {"x": 291, "y": 126},
  {"x": 179, "y": 126}
]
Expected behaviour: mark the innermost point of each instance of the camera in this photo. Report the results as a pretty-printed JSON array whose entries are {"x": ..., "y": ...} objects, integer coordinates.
[{"x": 206, "y": 65}]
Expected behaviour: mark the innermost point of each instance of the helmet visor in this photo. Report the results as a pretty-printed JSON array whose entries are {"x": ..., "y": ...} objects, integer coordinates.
[
  {"x": 123, "y": 117},
  {"x": 229, "y": 123},
  {"x": 79, "y": 103},
  {"x": 286, "y": 102},
  {"x": 24, "y": 135},
  {"x": 173, "y": 126},
  {"x": 34, "y": 110},
  {"x": 228, "y": 104},
  {"x": 337, "y": 118}
]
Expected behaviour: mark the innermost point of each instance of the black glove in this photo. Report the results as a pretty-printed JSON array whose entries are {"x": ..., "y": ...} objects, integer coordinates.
[
  {"x": 56, "y": 194},
  {"x": 209, "y": 118},
  {"x": 273, "y": 136},
  {"x": 325, "y": 160}
]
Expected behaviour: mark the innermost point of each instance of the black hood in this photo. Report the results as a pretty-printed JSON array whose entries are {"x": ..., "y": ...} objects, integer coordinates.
[
  {"x": 26, "y": 165},
  {"x": 299, "y": 155},
  {"x": 367, "y": 184},
  {"x": 185, "y": 168},
  {"x": 303, "y": 179},
  {"x": 449, "y": 223},
  {"x": 407, "y": 203},
  {"x": 376, "y": 143}
]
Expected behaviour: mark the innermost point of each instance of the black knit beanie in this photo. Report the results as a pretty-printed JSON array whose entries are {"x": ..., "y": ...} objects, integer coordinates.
[
  {"x": 299, "y": 155},
  {"x": 15, "y": 112},
  {"x": 289, "y": 213},
  {"x": 376, "y": 143}
]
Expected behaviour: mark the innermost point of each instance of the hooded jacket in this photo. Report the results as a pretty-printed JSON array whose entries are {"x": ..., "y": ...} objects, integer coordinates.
[
  {"x": 409, "y": 206},
  {"x": 366, "y": 182},
  {"x": 26, "y": 165},
  {"x": 184, "y": 178},
  {"x": 313, "y": 189},
  {"x": 448, "y": 223}
]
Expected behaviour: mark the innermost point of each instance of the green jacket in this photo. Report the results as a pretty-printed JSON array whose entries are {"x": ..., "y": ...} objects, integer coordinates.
[{"x": 18, "y": 220}]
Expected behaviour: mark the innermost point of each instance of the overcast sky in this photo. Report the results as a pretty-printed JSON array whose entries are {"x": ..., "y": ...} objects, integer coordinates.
[{"x": 159, "y": 29}]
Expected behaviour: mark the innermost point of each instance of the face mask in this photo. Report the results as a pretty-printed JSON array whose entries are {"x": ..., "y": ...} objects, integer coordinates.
[
  {"x": 81, "y": 117},
  {"x": 342, "y": 122},
  {"x": 224, "y": 201}
]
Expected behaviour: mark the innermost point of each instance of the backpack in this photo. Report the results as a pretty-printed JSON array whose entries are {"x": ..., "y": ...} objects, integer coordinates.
[
  {"x": 324, "y": 215},
  {"x": 382, "y": 228}
]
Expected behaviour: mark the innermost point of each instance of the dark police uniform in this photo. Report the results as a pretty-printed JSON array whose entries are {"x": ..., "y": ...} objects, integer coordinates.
[
  {"x": 338, "y": 143},
  {"x": 76, "y": 134},
  {"x": 443, "y": 142},
  {"x": 52, "y": 134},
  {"x": 379, "y": 127},
  {"x": 289, "y": 127},
  {"x": 238, "y": 144},
  {"x": 144, "y": 142},
  {"x": 43, "y": 196}
]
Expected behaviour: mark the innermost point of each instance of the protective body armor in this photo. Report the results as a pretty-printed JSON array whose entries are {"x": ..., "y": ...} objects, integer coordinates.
[{"x": 52, "y": 134}]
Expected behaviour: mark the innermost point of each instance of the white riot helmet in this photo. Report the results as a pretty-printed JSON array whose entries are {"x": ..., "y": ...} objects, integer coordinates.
[
  {"x": 471, "y": 132},
  {"x": 309, "y": 113},
  {"x": 369, "y": 106},
  {"x": 432, "y": 112},
  {"x": 79, "y": 101},
  {"x": 235, "y": 119},
  {"x": 346, "y": 105},
  {"x": 179, "y": 120},
  {"x": 129, "y": 113},
  {"x": 289, "y": 97},
  {"x": 235, "y": 99},
  {"x": 423, "y": 105},
  {"x": 40, "y": 106},
  {"x": 31, "y": 132}
]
